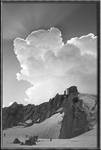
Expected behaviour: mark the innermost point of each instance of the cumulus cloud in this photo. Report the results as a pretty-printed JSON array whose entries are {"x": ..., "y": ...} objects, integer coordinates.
[
  {"x": 87, "y": 44},
  {"x": 51, "y": 65}
]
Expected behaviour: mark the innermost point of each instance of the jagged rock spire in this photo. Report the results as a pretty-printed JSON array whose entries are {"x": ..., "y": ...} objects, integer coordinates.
[
  {"x": 72, "y": 90},
  {"x": 75, "y": 120}
]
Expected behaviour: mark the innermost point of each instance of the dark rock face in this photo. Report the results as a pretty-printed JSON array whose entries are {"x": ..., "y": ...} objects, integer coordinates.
[
  {"x": 72, "y": 90},
  {"x": 16, "y": 141},
  {"x": 75, "y": 119},
  {"x": 18, "y": 113},
  {"x": 31, "y": 140},
  {"x": 12, "y": 115}
]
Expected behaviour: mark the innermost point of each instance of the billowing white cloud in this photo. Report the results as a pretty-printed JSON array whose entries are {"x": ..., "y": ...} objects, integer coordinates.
[
  {"x": 51, "y": 66},
  {"x": 87, "y": 43}
]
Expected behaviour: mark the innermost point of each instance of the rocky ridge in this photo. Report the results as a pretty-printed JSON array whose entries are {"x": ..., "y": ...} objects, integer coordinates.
[{"x": 78, "y": 116}]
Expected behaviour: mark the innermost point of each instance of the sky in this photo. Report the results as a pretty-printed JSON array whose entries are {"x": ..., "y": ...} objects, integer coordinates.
[{"x": 46, "y": 48}]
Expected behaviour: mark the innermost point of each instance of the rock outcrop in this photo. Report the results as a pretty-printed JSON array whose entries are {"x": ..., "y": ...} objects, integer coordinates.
[
  {"x": 12, "y": 115},
  {"x": 78, "y": 116},
  {"x": 75, "y": 118},
  {"x": 18, "y": 114}
]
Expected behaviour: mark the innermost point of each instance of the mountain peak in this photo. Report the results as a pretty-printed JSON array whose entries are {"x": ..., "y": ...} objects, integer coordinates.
[
  {"x": 13, "y": 105},
  {"x": 69, "y": 102}
]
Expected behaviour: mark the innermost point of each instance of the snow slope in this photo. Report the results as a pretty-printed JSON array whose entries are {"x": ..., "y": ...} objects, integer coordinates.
[
  {"x": 50, "y": 128},
  {"x": 88, "y": 99},
  {"x": 86, "y": 140}
]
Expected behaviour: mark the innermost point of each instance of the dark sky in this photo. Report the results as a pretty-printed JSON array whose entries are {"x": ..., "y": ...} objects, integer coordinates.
[{"x": 20, "y": 19}]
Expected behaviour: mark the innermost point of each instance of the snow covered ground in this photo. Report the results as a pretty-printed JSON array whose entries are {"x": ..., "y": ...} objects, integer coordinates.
[
  {"x": 87, "y": 140},
  {"x": 50, "y": 128}
]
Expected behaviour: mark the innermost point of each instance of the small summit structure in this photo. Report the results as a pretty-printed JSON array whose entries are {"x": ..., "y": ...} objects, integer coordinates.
[{"x": 72, "y": 90}]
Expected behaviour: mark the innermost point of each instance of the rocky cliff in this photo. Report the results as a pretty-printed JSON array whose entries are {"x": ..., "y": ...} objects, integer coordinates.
[
  {"x": 75, "y": 118},
  {"x": 79, "y": 117},
  {"x": 18, "y": 114}
]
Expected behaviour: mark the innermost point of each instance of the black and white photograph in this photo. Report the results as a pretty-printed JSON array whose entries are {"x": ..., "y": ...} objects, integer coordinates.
[{"x": 50, "y": 53}]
